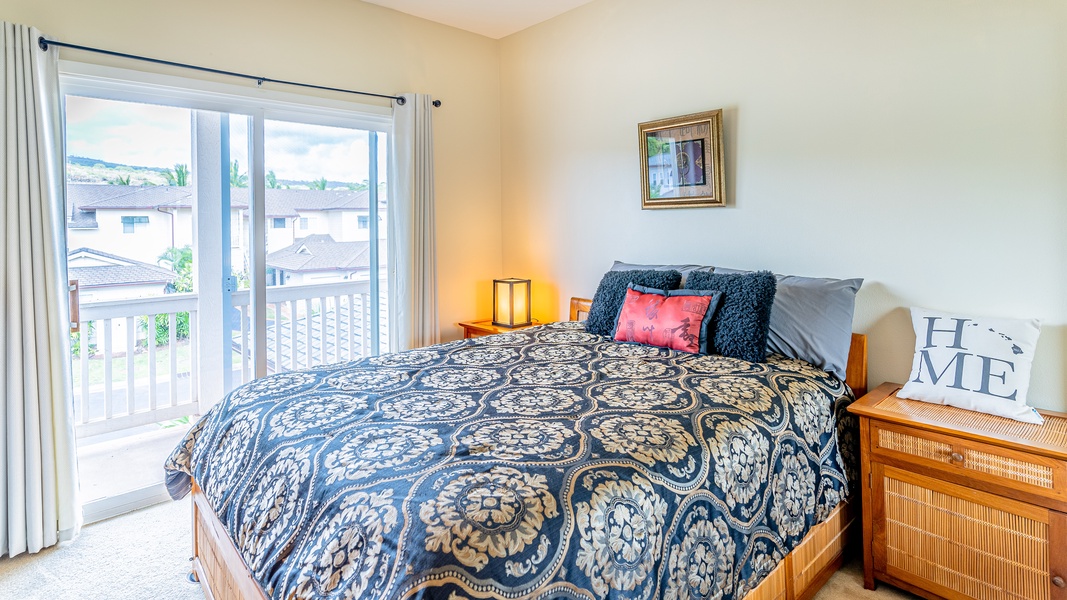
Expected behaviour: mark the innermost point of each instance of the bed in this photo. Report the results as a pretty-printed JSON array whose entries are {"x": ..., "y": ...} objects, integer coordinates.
[{"x": 542, "y": 463}]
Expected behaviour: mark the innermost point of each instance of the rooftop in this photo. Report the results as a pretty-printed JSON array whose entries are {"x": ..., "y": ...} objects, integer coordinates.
[
  {"x": 93, "y": 269},
  {"x": 321, "y": 252},
  {"x": 84, "y": 199}
]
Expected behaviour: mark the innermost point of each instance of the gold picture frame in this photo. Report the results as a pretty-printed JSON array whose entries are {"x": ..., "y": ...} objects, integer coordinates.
[{"x": 682, "y": 161}]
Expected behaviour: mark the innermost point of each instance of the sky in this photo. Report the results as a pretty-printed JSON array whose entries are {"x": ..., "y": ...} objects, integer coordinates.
[{"x": 147, "y": 135}]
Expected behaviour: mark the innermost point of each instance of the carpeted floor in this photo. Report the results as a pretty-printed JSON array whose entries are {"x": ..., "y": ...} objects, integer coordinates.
[{"x": 145, "y": 556}]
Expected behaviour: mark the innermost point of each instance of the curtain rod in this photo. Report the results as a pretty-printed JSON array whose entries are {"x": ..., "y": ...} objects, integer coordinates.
[{"x": 44, "y": 44}]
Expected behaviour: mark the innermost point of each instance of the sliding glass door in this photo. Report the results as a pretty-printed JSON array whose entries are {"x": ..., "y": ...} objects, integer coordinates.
[
  {"x": 215, "y": 238},
  {"x": 323, "y": 248}
]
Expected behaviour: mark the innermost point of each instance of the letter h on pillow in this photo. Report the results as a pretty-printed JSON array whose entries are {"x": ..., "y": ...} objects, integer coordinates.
[{"x": 977, "y": 363}]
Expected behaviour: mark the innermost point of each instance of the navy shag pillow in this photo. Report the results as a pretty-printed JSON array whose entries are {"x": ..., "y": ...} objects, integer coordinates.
[
  {"x": 610, "y": 294},
  {"x": 739, "y": 328}
]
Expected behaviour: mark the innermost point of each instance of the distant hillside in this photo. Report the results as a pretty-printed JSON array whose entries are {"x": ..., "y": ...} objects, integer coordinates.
[
  {"x": 95, "y": 162},
  {"x": 81, "y": 169},
  {"x": 92, "y": 170}
]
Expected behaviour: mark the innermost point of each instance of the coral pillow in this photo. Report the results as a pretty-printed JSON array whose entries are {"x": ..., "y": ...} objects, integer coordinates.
[{"x": 675, "y": 319}]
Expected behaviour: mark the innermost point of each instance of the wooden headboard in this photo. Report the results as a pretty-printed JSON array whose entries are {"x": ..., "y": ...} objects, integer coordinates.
[
  {"x": 855, "y": 371},
  {"x": 580, "y": 308}
]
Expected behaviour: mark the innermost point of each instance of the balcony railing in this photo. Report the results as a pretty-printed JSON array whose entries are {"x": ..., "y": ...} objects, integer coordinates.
[
  {"x": 148, "y": 340},
  {"x": 309, "y": 325}
]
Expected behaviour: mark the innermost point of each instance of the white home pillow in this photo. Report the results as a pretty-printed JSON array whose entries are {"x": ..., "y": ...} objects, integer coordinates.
[{"x": 976, "y": 363}]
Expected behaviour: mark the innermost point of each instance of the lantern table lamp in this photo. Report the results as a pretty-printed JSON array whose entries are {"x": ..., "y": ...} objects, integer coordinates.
[{"x": 511, "y": 302}]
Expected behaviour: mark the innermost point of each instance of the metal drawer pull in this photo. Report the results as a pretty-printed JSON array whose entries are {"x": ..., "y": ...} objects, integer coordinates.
[
  {"x": 1059, "y": 582},
  {"x": 956, "y": 456}
]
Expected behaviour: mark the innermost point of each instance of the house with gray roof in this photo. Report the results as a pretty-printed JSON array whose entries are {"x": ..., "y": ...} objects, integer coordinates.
[
  {"x": 105, "y": 276},
  {"x": 319, "y": 258},
  {"x": 142, "y": 222}
]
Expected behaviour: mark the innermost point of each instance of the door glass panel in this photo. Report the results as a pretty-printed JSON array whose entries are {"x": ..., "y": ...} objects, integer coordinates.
[
  {"x": 149, "y": 226},
  {"x": 129, "y": 243},
  {"x": 324, "y": 225}
]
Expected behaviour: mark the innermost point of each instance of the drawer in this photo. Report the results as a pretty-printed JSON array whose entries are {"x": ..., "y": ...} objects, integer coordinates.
[
  {"x": 1011, "y": 470},
  {"x": 961, "y": 543}
]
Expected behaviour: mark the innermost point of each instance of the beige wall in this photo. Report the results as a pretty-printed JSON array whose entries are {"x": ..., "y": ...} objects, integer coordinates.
[
  {"x": 340, "y": 43},
  {"x": 920, "y": 144}
]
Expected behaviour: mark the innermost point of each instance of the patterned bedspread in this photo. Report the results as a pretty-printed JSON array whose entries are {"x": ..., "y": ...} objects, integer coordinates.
[{"x": 543, "y": 463}]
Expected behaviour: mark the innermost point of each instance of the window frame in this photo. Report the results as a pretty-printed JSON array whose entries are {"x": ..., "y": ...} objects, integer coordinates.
[{"x": 130, "y": 222}]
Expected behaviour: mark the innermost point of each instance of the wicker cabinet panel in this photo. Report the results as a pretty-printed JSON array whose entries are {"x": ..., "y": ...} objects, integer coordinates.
[
  {"x": 1000, "y": 466},
  {"x": 952, "y": 539},
  {"x": 959, "y": 505}
]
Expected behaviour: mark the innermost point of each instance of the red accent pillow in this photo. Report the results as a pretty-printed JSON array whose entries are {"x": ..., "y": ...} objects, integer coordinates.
[{"x": 675, "y": 319}]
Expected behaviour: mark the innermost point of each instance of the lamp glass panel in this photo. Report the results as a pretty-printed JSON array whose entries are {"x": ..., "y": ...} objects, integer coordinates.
[
  {"x": 518, "y": 303},
  {"x": 502, "y": 312}
]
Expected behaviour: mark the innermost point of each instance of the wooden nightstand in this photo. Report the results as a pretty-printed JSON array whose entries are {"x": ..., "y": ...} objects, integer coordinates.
[
  {"x": 473, "y": 329},
  {"x": 959, "y": 504}
]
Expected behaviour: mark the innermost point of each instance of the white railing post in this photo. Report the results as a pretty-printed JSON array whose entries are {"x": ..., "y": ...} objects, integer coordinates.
[
  {"x": 108, "y": 357},
  {"x": 307, "y": 332},
  {"x": 277, "y": 338},
  {"x": 336, "y": 328},
  {"x": 294, "y": 361},
  {"x": 151, "y": 343},
  {"x": 364, "y": 300},
  {"x": 131, "y": 352},
  {"x": 83, "y": 336},
  {"x": 245, "y": 350},
  {"x": 351, "y": 327},
  {"x": 325, "y": 335},
  {"x": 172, "y": 344}
]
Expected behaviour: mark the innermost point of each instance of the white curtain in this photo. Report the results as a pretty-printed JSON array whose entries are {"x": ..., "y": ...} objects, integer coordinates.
[
  {"x": 412, "y": 234},
  {"x": 38, "y": 470}
]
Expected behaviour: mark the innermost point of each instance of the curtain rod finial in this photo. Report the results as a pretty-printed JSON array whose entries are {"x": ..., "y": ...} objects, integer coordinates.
[
  {"x": 43, "y": 43},
  {"x": 437, "y": 104},
  {"x": 401, "y": 101}
]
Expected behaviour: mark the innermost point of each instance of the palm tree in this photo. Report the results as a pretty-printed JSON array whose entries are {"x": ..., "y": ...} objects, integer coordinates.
[
  {"x": 359, "y": 187},
  {"x": 179, "y": 260},
  {"x": 237, "y": 179},
  {"x": 272, "y": 180},
  {"x": 179, "y": 175},
  {"x": 120, "y": 180},
  {"x": 318, "y": 184}
]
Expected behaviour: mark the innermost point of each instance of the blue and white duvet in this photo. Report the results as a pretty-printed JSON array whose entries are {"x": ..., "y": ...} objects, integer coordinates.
[{"x": 544, "y": 463}]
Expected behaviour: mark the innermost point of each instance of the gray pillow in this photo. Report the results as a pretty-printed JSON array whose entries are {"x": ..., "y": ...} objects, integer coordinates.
[
  {"x": 685, "y": 270},
  {"x": 812, "y": 320}
]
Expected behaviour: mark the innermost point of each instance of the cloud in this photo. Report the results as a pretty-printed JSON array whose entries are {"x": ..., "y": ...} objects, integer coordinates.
[
  {"x": 160, "y": 136},
  {"x": 129, "y": 133}
]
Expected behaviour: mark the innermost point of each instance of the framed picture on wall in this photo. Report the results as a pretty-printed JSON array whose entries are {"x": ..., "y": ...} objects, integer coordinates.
[{"x": 682, "y": 161}]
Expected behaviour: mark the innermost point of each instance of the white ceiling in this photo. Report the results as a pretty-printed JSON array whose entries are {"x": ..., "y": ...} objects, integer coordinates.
[{"x": 491, "y": 18}]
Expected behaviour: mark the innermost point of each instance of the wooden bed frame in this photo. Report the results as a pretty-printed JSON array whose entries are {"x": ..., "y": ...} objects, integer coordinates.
[{"x": 218, "y": 566}]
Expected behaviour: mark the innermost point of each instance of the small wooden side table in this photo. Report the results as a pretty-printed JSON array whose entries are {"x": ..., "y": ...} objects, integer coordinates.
[
  {"x": 960, "y": 504},
  {"x": 473, "y": 329}
]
